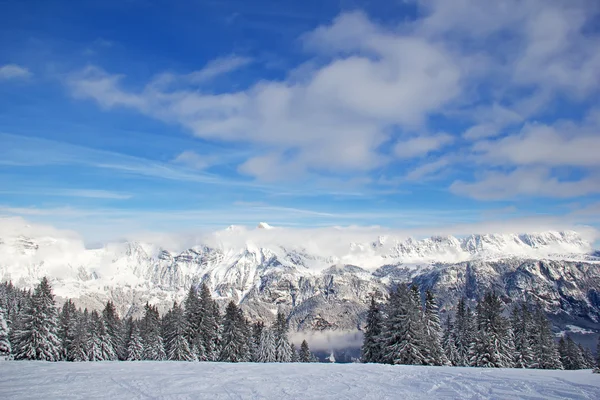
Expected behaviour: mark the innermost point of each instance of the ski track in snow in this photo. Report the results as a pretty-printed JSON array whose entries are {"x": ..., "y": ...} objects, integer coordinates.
[{"x": 181, "y": 380}]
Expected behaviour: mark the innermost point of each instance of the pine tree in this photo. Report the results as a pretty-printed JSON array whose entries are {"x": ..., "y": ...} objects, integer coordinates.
[
  {"x": 114, "y": 329},
  {"x": 403, "y": 331},
  {"x": 433, "y": 332},
  {"x": 135, "y": 348},
  {"x": 521, "y": 323},
  {"x": 295, "y": 357},
  {"x": 493, "y": 346},
  {"x": 371, "y": 348},
  {"x": 5, "y": 348},
  {"x": 209, "y": 326},
  {"x": 283, "y": 350},
  {"x": 570, "y": 355},
  {"x": 235, "y": 336},
  {"x": 78, "y": 346},
  {"x": 545, "y": 351},
  {"x": 151, "y": 334},
  {"x": 464, "y": 333},
  {"x": 449, "y": 342},
  {"x": 193, "y": 315},
  {"x": 266, "y": 350},
  {"x": 257, "y": 329},
  {"x": 178, "y": 348},
  {"x": 305, "y": 355},
  {"x": 38, "y": 336},
  {"x": 67, "y": 323}
]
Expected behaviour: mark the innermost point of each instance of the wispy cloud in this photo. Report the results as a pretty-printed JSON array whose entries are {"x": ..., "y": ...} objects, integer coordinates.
[
  {"x": 13, "y": 71},
  {"x": 85, "y": 193}
]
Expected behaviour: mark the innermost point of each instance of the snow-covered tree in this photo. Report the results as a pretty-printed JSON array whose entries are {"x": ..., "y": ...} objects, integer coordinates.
[
  {"x": 257, "y": 329},
  {"x": 67, "y": 323},
  {"x": 38, "y": 337},
  {"x": 266, "y": 350},
  {"x": 178, "y": 348},
  {"x": 283, "y": 350},
  {"x": 545, "y": 351},
  {"x": 78, "y": 346},
  {"x": 5, "y": 348},
  {"x": 135, "y": 347},
  {"x": 295, "y": 356},
  {"x": 100, "y": 343},
  {"x": 235, "y": 347},
  {"x": 464, "y": 333},
  {"x": 433, "y": 332},
  {"x": 114, "y": 329},
  {"x": 493, "y": 347},
  {"x": 403, "y": 330},
  {"x": 305, "y": 355},
  {"x": 209, "y": 326},
  {"x": 570, "y": 354},
  {"x": 151, "y": 334},
  {"x": 521, "y": 322},
  {"x": 371, "y": 348},
  {"x": 449, "y": 342}
]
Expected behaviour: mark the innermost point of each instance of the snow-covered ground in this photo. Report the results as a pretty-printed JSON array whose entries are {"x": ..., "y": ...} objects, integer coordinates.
[{"x": 181, "y": 380}]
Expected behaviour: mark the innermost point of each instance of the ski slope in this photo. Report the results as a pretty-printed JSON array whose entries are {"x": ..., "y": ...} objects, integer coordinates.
[{"x": 181, "y": 380}]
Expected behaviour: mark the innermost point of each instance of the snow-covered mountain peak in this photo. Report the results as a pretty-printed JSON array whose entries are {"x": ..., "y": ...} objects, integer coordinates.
[{"x": 263, "y": 225}]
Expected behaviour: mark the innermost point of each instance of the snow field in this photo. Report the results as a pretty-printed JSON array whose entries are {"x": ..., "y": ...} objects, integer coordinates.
[{"x": 185, "y": 380}]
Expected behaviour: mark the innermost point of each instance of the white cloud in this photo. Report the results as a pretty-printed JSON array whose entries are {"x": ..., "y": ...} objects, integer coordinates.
[
  {"x": 420, "y": 146},
  {"x": 193, "y": 160},
  {"x": 219, "y": 66},
  {"x": 539, "y": 144},
  {"x": 334, "y": 120},
  {"x": 521, "y": 182},
  {"x": 13, "y": 71}
]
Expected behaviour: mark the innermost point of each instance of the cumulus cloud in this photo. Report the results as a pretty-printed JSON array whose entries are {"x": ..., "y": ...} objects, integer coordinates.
[{"x": 13, "y": 71}]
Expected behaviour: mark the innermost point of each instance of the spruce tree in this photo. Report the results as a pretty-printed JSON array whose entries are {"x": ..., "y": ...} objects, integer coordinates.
[
  {"x": 257, "y": 329},
  {"x": 135, "y": 347},
  {"x": 78, "y": 346},
  {"x": 151, "y": 334},
  {"x": 209, "y": 326},
  {"x": 266, "y": 349},
  {"x": 545, "y": 351},
  {"x": 493, "y": 346},
  {"x": 522, "y": 325},
  {"x": 5, "y": 348},
  {"x": 403, "y": 331},
  {"x": 67, "y": 323},
  {"x": 464, "y": 333},
  {"x": 235, "y": 346},
  {"x": 371, "y": 348},
  {"x": 114, "y": 329},
  {"x": 38, "y": 336},
  {"x": 295, "y": 356},
  {"x": 305, "y": 356},
  {"x": 449, "y": 342},
  {"x": 193, "y": 316},
  {"x": 433, "y": 332},
  {"x": 178, "y": 348},
  {"x": 283, "y": 350}
]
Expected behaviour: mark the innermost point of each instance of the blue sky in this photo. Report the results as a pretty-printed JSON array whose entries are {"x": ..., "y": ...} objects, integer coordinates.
[{"x": 124, "y": 116}]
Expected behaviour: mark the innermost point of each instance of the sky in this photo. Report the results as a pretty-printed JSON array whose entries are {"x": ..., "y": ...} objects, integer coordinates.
[{"x": 137, "y": 115}]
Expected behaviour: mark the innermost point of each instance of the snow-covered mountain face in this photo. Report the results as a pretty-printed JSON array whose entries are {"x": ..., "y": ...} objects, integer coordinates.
[{"x": 323, "y": 279}]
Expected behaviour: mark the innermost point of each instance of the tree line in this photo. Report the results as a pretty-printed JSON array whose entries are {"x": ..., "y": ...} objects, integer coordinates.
[
  {"x": 403, "y": 330},
  {"x": 33, "y": 328}
]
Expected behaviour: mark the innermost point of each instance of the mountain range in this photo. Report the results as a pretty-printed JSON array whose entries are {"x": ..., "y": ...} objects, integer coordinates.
[{"x": 323, "y": 280}]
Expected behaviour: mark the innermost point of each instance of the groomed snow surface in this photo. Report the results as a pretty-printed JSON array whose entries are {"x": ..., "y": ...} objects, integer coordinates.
[{"x": 181, "y": 380}]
